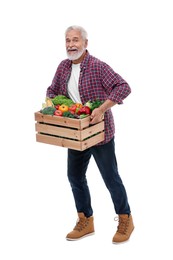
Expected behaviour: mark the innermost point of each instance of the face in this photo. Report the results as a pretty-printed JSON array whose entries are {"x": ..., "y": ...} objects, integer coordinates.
[{"x": 75, "y": 45}]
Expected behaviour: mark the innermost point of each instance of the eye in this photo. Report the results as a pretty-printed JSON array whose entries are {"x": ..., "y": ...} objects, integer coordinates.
[
  {"x": 67, "y": 40},
  {"x": 75, "y": 39}
]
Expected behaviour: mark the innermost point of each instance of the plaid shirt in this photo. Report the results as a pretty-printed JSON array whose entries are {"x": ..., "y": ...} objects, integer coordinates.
[{"x": 97, "y": 80}]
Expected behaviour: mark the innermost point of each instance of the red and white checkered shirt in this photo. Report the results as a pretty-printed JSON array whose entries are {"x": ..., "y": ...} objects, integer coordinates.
[{"x": 97, "y": 80}]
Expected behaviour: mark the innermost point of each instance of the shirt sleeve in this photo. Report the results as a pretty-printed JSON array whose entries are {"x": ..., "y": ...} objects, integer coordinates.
[
  {"x": 115, "y": 86},
  {"x": 52, "y": 90}
]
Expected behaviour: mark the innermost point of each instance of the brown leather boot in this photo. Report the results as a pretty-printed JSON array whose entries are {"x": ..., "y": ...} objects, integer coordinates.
[
  {"x": 84, "y": 227},
  {"x": 125, "y": 228}
]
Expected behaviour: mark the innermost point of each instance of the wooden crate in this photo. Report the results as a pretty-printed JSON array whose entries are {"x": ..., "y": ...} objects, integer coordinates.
[{"x": 71, "y": 133}]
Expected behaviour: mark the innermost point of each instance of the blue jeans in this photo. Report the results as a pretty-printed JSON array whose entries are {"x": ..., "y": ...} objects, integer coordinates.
[{"x": 105, "y": 158}]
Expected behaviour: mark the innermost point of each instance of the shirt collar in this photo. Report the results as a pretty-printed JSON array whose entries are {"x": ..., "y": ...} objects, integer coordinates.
[{"x": 85, "y": 60}]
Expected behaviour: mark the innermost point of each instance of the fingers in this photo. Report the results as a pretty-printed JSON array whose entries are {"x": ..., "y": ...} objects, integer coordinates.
[{"x": 95, "y": 119}]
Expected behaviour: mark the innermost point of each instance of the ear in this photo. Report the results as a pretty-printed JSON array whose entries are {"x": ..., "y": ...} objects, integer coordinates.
[{"x": 86, "y": 43}]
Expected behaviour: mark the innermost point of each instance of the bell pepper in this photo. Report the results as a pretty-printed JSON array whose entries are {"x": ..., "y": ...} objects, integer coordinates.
[
  {"x": 63, "y": 108},
  {"x": 78, "y": 105},
  {"x": 84, "y": 110}
]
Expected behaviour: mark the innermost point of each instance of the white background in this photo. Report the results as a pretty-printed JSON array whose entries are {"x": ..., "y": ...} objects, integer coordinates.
[{"x": 36, "y": 205}]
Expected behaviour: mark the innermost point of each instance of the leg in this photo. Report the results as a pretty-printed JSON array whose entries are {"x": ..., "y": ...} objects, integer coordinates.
[
  {"x": 77, "y": 167},
  {"x": 105, "y": 158}
]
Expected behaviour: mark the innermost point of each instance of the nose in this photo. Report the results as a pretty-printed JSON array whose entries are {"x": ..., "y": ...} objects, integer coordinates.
[{"x": 70, "y": 44}]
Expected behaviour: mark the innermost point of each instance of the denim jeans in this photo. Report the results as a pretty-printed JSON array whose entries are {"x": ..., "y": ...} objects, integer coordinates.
[{"x": 105, "y": 158}]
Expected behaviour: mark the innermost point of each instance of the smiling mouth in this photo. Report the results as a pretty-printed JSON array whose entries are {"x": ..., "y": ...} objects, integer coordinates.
[{"x": 72, "y": 50}]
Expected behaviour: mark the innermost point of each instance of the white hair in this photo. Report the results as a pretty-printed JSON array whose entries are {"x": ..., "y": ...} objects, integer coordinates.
[{"x": 78, "y": 28}]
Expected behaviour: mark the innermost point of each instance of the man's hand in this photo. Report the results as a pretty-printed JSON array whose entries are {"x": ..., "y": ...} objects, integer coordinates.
[
  {"x": 96, "y": 116},
  {"x": 98, "y": 113}
]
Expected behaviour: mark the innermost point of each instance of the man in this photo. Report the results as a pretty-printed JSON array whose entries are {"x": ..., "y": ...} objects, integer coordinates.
[{"x": 83, "y": 77}]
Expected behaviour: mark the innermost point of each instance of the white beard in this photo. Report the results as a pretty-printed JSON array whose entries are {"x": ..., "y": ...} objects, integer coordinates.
[{"x": 76, "y": 55}]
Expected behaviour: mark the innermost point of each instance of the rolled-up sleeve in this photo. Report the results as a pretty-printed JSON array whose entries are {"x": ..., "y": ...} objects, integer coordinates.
[{"x": 115, "y": 86}]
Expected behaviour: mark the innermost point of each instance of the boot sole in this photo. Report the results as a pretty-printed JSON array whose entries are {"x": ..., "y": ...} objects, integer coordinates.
[{"x": 74, "y": 239}]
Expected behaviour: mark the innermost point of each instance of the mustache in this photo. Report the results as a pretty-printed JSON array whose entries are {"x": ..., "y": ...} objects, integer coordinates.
[{"x": 72, "y": 49}]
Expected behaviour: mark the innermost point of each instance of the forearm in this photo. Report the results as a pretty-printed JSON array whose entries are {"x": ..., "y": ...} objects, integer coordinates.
[{"x": 107, "y": 105}]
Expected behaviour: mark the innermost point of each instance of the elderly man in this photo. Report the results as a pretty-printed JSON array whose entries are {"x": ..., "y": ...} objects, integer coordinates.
[{"x": 83, "y": 77}]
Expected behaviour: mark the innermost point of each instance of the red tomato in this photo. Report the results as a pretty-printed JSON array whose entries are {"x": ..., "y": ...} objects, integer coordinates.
[
  {"x": 72, "y": 112},
  {"x": 58, "y": 113},
  {"x": 57, "y": 107},
  {"x": 72, "y": 108}
]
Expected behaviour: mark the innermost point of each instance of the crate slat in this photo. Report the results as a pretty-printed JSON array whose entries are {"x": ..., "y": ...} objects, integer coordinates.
[
  {"x": 91, "y": 130},
  {"x": 92, "y": 141},
  {"x": 72, "y": 144},
  {"x": 58, "y": 131},
  {"x": 63, "y": 121}
]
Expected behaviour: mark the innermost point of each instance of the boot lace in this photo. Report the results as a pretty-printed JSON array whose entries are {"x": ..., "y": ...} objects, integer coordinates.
[
  {"x": 81, "y": 224},
  {"x": 122, "y": 225}
]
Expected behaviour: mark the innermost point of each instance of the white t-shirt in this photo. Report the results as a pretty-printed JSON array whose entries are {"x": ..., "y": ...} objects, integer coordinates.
[{"x": 73, "y": 89}]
